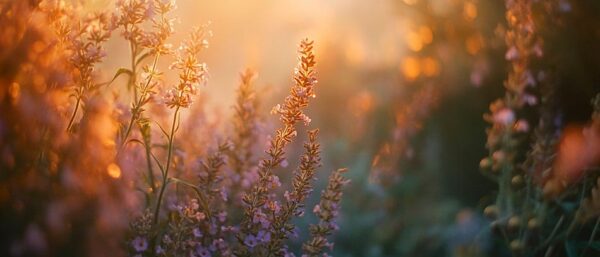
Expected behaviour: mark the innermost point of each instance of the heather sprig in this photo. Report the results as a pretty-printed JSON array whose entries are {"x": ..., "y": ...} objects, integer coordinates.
[
  {"x": 192, "y": 73},
  {"x": 503, "y": 137},
  {"x": 327, "y": 211},
  {"x": 84, "y": 39},
  {"x": 290, "y": 113},
  {"x": 143, "y": 44},
  {"x": 180, "y": 96},
  {"x": 408, "y": 122},
  {"x": 210, "y": 178},
  {"x": 246, "y": 124},
  {"x": 281, "y": 227}
]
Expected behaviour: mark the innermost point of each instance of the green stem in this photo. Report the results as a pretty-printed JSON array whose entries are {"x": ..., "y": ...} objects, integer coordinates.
[
  {"x": 133, "y": 78},
  {"x": 128, "y": 131},
  {"x": 150, "y": 170},
  {"x": 594, "y": 231},
  {"x": 554, "y": 231},
  {"x": 167, "y": 166},
  {"x": 137, "y": 101}
]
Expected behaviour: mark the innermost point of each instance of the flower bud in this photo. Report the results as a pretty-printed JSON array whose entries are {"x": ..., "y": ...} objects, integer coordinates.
[
  {"x": 517, "y": 180},
  {"x": 533, "y": 224},
  {"x": 514, "y": 222},
  {"x": 485, "y": 163},
  {"x": 516, "y": 245},
  {"x": 491, "y": 211}
]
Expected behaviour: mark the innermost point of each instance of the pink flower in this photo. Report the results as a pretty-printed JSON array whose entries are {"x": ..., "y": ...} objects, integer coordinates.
[
  {"x": 522, "y": 126},
  {"x": 140, "y": 244},
  {"x": 504, "y": 116},
  {"x": 512, "y": 54}
]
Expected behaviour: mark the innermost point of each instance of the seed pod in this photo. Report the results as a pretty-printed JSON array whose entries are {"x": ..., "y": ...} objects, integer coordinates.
[
  {"x": 485, "y": 163},
  {"x": 514, "y": 222},
  {"x": 553, "y": 188},
  {"x": 491, "y": 211},
  {"x": 516, "y": 245},
  {"x": 517, "y": 181},
  {"x": 533, "y": 224}
]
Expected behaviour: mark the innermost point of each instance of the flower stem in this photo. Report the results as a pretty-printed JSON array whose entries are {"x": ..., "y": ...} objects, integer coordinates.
[
  {"x": 137, "y": 101},
  {"x": 167, "y": 166},
  {"x": 74, "y": 113}
]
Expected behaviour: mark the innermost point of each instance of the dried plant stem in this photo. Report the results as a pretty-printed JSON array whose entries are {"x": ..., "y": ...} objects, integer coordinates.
[
  {"x": 74, "y": 113},
  {"x": 165, "y": 174}
]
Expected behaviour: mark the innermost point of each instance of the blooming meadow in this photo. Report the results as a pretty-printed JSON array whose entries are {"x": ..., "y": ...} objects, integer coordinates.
[{"x": 431, "y": 128}]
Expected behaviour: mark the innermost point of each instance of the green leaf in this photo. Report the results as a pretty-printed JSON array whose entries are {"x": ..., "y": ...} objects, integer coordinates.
[
  {"x": 119, "y": 72},
  {"x": 162, "y": 170},
  {"x": 196, "y": 189},
  {"x": 163, "y": 130},
  {"x": 184, "y": 182},
  {"x": 142, "y": 57}
]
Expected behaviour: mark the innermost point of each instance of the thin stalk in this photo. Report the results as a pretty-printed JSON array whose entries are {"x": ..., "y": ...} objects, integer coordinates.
[
  {"x": 167, "y": 166},
  {"x": 594, "y": 231},
  {"x": 554, "y": 231},
  {"x": 133, "y": 78},
  {"x": 74, "y": 113},
  {"x": 150, "y": 170},
  {"x": 137, "y": 101}
]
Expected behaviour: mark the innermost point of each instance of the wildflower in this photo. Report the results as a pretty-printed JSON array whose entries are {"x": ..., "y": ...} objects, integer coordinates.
[
  {"x": 222, "y": 216},
  {"x": 273, "y": 206},
  {"x": 327, "y": 211},
  {"x": 317, "y": 209},
  {"x": 512, "y": 54},
  {"x": 250, "y": 241},
  {"x": 284, "y": 163},
  {"x": 291, "y": 112},
  {"x": 197, "y": 232},
  {"x": 504, "y": 116},
  {"x": 130, "y": 15},
  {"x": 192, "y": 72},
  {"x": 202, "y": 251},
  {"x": 140, "y": 244},
  {"x": 262, "y": 219},
  {"x": 521, "y": 126},
  {"x": 263, "y": 236},
  {"x": 530, "y": 99},
  {"x": 274, "y": 182},
  {"x": 159, "y": 250}
]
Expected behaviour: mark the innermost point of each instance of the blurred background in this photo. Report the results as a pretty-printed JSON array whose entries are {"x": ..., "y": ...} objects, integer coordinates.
[{"x": 403, "y": 85}]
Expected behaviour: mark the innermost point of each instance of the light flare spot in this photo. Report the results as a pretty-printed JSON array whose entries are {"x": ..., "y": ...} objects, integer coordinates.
[
  {"x": 410, "y": 68},
  {"x": 470, "y": 11},
  {"x": 426, "y": 34},
  {"x": 114, "y": 171},
  {"x": 414, "y": 41},
  {"x": 430, "y": 67}
]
